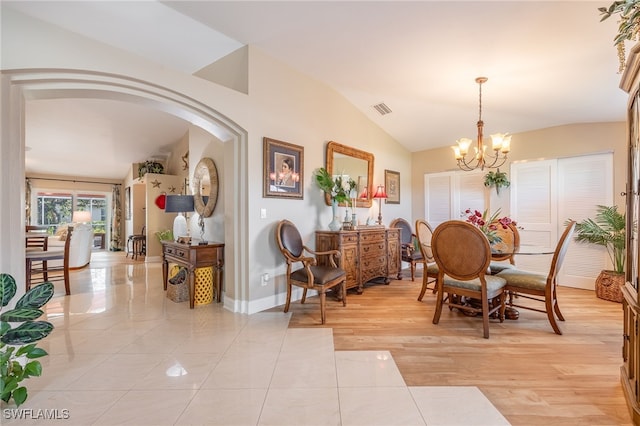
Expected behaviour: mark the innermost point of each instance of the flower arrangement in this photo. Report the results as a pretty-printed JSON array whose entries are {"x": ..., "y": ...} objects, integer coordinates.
[
  {"x": 339, "y": 189},
  {"x": 488, "y": 224}
]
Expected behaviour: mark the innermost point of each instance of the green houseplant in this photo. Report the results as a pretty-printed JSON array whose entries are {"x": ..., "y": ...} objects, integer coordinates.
[
  {"x": 607, "y": 229},
  {"x": 18, "y": 351},
  {"x": 498, "y": 179},
  {"x": 338, "y": 189},
  {"x": 628, "y": 12}
]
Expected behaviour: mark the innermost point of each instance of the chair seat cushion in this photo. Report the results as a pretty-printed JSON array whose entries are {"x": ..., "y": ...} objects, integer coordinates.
[
  {"x": 321, "y": 274},
  {"x": 415, "y": 256},
  {"x": 45, "y": 255},
  {"x": 494, "y": 283},
  {"x": 497, "y": 267},
  {"x": 432, "y": 269},
  {"x": 524, "y": 279}
]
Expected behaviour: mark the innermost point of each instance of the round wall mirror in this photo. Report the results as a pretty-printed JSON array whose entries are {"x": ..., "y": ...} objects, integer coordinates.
[{"x": 205, "y": 187}]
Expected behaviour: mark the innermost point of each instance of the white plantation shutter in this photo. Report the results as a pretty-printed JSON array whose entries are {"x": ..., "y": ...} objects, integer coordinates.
[
  {"x": 544, "y": 194},
  {"x": 583, "y": 183},
  {"x": 470, "y": 192},
  {"x": 438, "y": 197}
]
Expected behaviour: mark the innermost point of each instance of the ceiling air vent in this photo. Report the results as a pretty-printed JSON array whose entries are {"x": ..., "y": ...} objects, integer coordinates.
[{"x": 382, "y": 108}]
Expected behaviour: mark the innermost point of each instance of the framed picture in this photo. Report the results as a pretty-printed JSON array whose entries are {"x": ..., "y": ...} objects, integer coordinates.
[
  {"x": 127, "y": 203},
  {"x": 392, "y": 185},
  {"x": 283, "y": 169}
]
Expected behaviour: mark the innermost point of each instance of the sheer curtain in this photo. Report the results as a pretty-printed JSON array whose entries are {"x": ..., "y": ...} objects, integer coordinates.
[{"x": 115, "y": 243}]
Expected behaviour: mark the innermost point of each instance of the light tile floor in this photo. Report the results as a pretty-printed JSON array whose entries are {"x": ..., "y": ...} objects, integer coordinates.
[{"x": 124, "y": 354}]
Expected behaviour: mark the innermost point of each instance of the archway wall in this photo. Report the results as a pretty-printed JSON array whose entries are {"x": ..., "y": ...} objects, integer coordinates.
[{"x": 282, "y": 104}]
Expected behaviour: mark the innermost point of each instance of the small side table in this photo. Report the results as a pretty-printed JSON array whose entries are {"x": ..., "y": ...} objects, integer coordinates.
[{"x": 193, "y": 257}]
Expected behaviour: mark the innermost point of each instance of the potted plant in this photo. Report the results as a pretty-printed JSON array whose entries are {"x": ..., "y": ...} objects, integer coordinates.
[
  {"x": 608, "y": 230},
  {"x": 498, "y": 179},
  {"x": 17, "y": 348},
  {"x": 338, "y": 190},
  {"x": 628, "y": 12}
]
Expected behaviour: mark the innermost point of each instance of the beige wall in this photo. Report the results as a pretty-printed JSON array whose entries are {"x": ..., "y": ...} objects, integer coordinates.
[{"x": 555, "y": 142}]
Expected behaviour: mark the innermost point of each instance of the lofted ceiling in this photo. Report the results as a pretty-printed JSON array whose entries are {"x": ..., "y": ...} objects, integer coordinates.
[{"x": 549, "y": 63}]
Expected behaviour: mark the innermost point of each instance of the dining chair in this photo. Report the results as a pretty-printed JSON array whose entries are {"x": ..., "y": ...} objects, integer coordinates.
[
  {"x": 540, "y": 287},
  {"x": 409, "y": 252},
  {"x": 37, "y": 262},
  {"x": 424, "y": 233},
  {"x": 310, "y": 276},
  {"x": 463, "y": 255},
  {"x": 509, "y": 238}
]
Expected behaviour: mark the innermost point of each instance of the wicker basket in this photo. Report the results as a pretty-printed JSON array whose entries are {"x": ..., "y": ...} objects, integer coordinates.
[
  {"x": 178, "y": 288},
  {"x": 608, "y": 286}
]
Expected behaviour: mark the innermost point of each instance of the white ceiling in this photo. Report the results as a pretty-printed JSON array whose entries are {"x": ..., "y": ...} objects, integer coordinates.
[{"x": 549, "y": 63}]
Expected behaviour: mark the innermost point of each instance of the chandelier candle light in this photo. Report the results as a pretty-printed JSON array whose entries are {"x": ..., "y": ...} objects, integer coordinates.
[
  {"x": 501, "y": 144},
  {"x": 380, "y": 194}
]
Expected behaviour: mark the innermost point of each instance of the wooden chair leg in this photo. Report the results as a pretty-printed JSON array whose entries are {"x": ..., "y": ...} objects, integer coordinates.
[
  {"x": 344, "y": 293},
  {"x": 45, "y": 273},
  {"x": 67, "y": 288},
  {"x": 323, "y": 297},
  {"x": 556, "y": 307},
  {"x": 439, "y": 301},
  {"x": 286, "y": 305},
  {"x": 27, "y": 282},
  {"x": 304, "y": 296},
  {"x": 425, "y": 282},
  {"x": 413, "y": 270},
  {"x": 485, "y": 317}
]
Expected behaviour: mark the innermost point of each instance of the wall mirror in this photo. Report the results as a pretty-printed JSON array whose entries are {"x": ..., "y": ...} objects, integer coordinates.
[
  {"x": 354, "y": 163},
  {"x": 205, "y": 187}
]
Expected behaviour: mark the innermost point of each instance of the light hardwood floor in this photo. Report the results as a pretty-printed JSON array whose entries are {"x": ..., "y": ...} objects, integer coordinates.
[{"x": 533, "y": 376}]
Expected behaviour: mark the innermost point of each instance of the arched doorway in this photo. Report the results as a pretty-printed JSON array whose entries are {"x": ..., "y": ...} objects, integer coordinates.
[{"x": 19, "y": 86}]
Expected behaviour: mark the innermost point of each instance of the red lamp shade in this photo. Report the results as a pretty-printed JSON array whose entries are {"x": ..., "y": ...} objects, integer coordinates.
[
  {"x": 380, "y": 192},
  {"x": 364, "y": 194}
]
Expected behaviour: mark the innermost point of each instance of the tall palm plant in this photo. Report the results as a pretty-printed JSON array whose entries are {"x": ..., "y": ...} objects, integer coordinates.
[{"x": 608, "y": 229}]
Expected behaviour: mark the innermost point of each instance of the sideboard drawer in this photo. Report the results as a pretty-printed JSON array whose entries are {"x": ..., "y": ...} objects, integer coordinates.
[
  {"x": 376, "y": 249},
  {"x": 372, "y": 237}
]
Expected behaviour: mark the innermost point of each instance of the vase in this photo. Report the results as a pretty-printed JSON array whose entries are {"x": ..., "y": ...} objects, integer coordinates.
[
  {"x": 335, "y": 224},
  {"x": 354, "y": 220}
]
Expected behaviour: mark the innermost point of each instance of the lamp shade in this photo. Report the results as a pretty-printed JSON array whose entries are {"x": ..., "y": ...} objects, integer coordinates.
[
  {"x": 179, "y": 203},
  {"x": 364, "y": 194},
  {"x": 380, "y": 192},
  {"x": 81, "y": 217}
]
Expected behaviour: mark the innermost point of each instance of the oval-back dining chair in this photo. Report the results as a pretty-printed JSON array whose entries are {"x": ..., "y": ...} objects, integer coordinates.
[
  {"x": 409, "y": 252},
  {"x": 463, "y": 255},
  {"x": 509, "y": 238},
  {"x": 430, "y": 272},
  {"x": 540, "y": 287},
  {"x": 310, "y": 276}
]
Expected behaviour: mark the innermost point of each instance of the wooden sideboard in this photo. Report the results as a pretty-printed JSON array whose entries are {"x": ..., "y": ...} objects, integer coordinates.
[
  {"x": 366, "y": 253},
  {"x": 193, "y": 257}
]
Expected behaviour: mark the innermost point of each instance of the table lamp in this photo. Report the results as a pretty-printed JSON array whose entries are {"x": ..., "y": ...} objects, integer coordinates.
[
  {"x": 380, "y": 194},
  {"x": 180, "y": 204},
  {"x": 81, "y": 217}
]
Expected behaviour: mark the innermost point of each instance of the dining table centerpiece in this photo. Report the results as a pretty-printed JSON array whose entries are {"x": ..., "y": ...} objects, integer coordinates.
[
  {"x": 488, "y": 223},
  {"x": 339, "y": 190}
]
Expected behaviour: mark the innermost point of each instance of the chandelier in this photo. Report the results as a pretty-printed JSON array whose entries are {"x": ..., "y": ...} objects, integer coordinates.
[{"x": 501, "y": 144}]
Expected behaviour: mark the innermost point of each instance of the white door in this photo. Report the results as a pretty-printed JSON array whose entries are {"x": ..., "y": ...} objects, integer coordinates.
[
  {"x": 545, "y": 194},
  {"x": 449, "y": 194}
]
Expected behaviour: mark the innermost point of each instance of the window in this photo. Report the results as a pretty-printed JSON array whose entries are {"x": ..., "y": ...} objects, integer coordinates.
[
  {"x": 56, "y": 208},
  {"x": 97, "y": 205},
  {"x": 53, "y": 209}
]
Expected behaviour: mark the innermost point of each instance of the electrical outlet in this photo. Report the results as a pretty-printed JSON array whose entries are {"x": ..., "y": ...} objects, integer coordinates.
[{"x": 265, "y": 279}]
